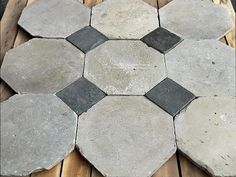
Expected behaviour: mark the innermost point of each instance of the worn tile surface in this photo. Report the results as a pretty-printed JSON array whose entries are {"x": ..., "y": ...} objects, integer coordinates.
[
  {"x": 193, "y": 19},
  {"x": 170, "y": 96},
  {"x": 42, "y": 66},
  {"x": 87, "y": 39},
  {"x": 81, "y": 95},
  {"x": 125, "y": 67},
  {"x": 54, "y": 18},
  {"x": 161, "y": 40},
  {"x": 206, "y": 133},
  {"x": 206, "y": 68},
  {"x": 121, "y": 141},
  {"x": 124, "y": 19},
  {"x": 37, "y": 132}
]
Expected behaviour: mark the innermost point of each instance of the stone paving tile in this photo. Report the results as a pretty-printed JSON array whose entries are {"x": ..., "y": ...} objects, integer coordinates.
[
  {"x": 37, "y": 132},
  {"x": 122, "y": 67},
  {"x": 206, "y": 68},
  {"x": 42, "y": 66},
  {"x": 81, "y": 95},
  {"x": 54, "y": 18},
  {"x": 193, "y": 19},
  {"x": 124, "y": 19},
  {"x": 206, "y": 133},
  {"x": 121, "y": 141},
  {"x": 170, "y": 96},
  {"x": 87, "y": 39}
]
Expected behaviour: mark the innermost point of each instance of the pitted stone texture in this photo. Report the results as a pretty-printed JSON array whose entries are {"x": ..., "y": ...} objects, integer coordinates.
[
  {"x": 126, "y": 136},
  {"x": 42, "y": 66},
  {"x": 187, "y": 18},
  {"x": 206, "y": 68},
  {"x": 125, "y": 67},
  {"x": 206, "y": 133},
  {"x": 54, "y": 18},
  {"x": 37, "y": 131},
  {"x": 121, "y": 19}
]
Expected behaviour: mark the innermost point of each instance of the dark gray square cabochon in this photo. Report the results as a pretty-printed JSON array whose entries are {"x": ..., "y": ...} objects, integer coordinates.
[
  {"x": 87, "y": 39},
  {"x": 161, "y": 40},
  {"x": 81, "y": 95},
  {"x": 170, "y": 96}
]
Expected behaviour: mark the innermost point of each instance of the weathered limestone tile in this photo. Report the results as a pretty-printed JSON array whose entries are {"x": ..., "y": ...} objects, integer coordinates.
[
  {"x": 54, "y": 18},
  {"x": 81, "y": 95},
  {"x": 42, "y": 66},
  {"x": 195, "y": 19},
  {"x": 206, "y": 133},
  {"x": 125, "y": 67},
  {"x": 170, "y": 96},
  {"x": 126, "y": 136},
  {"x": 37, "y": 131},
  {"x": 206, "y": 68},
  {"x": 124, "y": 19}
]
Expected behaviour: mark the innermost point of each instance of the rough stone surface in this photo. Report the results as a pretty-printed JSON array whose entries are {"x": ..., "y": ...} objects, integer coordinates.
[
  {"x": 126, "y": 136},
  {"x": 54, "y": 18},
  {"x": 206, "y": 133},
  {"x": 196, "y": 19},
  {"x": 37, "y": 131},
  {"x": 81, "y": 95},
  {"x": 87, "y": 39},
  {"x": 125, "y": 67},
  {"x": 206, "y": 68},
  {"x": 121, "y": 19},
  {"x": 170, "y": 96},
  {"x": 42, "y": 66}
]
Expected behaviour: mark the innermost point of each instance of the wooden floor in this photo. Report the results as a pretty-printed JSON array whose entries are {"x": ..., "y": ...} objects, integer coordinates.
[{"x": 75, "y": 165}]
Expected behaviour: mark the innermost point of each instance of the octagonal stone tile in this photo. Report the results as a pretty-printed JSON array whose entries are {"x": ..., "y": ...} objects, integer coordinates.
[
  {"x": 54, "y": 18},
  {"x": 206, "y": 133},
  {"x": 187, "y": 18},
  {"x": 125, "y": 67},
  {"x": 206, "y": 68},
  {"x": 124, "y": 19},
  {"x": 126, "y": 136},
  {"x": 42, "y": 66},
  {"x": 37, "y": 131}
]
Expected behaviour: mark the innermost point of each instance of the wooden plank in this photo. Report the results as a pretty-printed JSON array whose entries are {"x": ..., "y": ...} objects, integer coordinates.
[
  {"x": 54, "y": 172},
  {"x": 151, "y": 2},
  {"x": 5, "y": 91}
]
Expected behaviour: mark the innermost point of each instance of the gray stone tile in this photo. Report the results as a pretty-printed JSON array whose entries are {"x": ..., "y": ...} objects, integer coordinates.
[
  {"x": 119, "y": 132},
  {"x": 81, "y": 95},
  {"x": 54, "y": 18},
  {"x": 161, "y": 40},
  {"x": 124, "y": 67},
  {"x": 170, "y": 96},
  {"x": 192, "y": 19},
  {"x": 42, "y": 66},
  {"x": 37, "y": 132},
  {"x": 124, "y": 19},
  {"x": 206, "y": 68},
  {"x": 87, "y": 39},
  {"x": 206, "y": 133}
]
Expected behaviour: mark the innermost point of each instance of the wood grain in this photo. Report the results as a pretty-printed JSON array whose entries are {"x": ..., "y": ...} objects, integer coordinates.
[{"x": 54, "y": 172}]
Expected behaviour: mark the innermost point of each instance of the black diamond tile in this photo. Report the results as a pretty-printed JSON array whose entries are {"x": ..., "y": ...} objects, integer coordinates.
[
  {"x": 87, "y": 39},
  {"x": 161, "y": 40},
  {"x": 170, "y": 96},
  {"x": 81, "y": 95}
]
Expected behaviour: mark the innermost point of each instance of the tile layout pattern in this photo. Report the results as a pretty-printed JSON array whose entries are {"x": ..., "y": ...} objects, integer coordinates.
[
  {"x": 193, "y": 19},
  {"x": 81, "y": 95},
  {"x": 87, "y": 39},
  {"x": 126, "y": 136},
  {"x": 122, "y": 20},
  {"x": 42, "y": 66},
  {"x": 206, "y": 68},
  {"x": 54, "y": 18},
  {"x": 206, "y": 132},
  {"x": 37, "y": 131},
  {"x": 124, "y": 67},
  {"x": 170, "y": 96}
]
